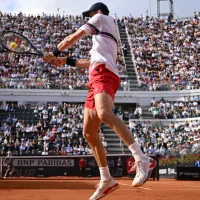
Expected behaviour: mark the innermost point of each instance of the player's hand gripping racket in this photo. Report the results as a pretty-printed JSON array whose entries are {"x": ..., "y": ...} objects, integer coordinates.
[{"x": 17, "y": 43}]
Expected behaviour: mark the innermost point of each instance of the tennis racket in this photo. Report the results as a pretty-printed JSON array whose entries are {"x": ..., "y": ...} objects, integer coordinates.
[{"x": 18, "y": 43}]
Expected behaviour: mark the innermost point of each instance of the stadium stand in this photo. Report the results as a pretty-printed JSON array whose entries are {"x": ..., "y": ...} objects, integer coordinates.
[
  {"x": 169, "y": 138},
  {"x": 164, "y": 109},
  {"x": 49, "y": 129},
  {"x": 166, "y": 55},
  {"x": 156, "y": 56},
  {"x": 21, "y": 72}
]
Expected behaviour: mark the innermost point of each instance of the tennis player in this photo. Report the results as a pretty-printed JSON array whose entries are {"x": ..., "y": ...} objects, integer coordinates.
[{"x": 103, "y": 84}]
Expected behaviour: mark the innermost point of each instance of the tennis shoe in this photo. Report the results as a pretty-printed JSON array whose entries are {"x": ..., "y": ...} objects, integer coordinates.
[
  {"x": 143, "y": 169},
  {"x": 104, "y": 188}
]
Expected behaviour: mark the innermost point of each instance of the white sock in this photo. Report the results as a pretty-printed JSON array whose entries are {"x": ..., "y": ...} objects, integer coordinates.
[
  {"x": 104, "y": 173},
  {"x": 136, "y": 151}
]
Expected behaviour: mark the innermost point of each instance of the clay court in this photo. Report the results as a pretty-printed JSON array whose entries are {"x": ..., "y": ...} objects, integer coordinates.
[{"x": 76, "y": 189}]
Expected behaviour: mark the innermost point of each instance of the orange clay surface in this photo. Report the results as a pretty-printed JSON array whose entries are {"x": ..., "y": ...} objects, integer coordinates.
[{"x": 82, "y": 189}]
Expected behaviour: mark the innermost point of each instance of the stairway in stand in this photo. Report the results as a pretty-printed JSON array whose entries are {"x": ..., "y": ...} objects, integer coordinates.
[
  {"x": 114, "y": 144},
  {"x": 146, "y": 114},
  {"x": 132, "y": 76}
]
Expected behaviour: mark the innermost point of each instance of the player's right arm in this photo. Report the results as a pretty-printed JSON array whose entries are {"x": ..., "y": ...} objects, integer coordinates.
[
  {"x": 87, "y": 29},
  {"x": 64, "y": 44},
  {"x": 70, "y": 40}
]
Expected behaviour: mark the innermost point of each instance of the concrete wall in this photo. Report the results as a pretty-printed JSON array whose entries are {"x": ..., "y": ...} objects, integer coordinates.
[{"x": 140, "y": 97}]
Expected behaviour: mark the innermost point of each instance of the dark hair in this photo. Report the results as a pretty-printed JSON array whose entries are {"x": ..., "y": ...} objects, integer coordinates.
[{"x": 105, "y": 12}]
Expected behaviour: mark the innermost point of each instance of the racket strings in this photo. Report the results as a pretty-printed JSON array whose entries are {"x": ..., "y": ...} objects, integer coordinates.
[{"x": 16, "y": 43}]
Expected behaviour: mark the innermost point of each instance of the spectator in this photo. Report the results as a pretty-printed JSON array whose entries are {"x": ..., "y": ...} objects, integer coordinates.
[
  {"x": 82, "y": 166},
  {"x": 69, "y": 150},
  {"x": 119, "y": 167},
  {"x": 8, "y": 164},
  {"x": 104, "y": 144},
  {"x": 138, "y": 111},
  {"x": 124, "y": 49}
]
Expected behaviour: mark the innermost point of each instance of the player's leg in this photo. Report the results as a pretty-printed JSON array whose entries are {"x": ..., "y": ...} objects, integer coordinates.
[
  {"x": 90, "y": 131},
  {"x": 104, "y": 104}
]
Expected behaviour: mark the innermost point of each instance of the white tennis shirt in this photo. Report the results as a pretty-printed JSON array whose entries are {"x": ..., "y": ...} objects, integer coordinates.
[{"x": 104, "y": 49}]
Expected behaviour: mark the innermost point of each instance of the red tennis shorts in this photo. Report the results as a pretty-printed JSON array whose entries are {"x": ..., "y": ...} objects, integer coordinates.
[{"x": 101, "y": 79}]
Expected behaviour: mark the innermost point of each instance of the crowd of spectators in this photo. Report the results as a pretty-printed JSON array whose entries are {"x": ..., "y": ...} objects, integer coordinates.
[
  {"x": 30, "y": 72},
  {"x": 52, "y": 129},
  {"x": 164, "y": 109},
  {"x": 49, "y": 129},
  {"x": 168, "y": 138},
  {"x": 125, "y": 113},
  {"x": 166, "y": 52},
  {"x": 43, "y": 130}
]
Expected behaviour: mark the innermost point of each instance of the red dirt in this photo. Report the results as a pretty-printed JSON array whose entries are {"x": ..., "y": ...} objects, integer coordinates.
[{"x": 36, "y": 189}]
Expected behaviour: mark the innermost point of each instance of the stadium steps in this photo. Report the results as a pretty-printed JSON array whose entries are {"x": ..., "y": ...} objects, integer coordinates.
[
  {"x": 132, "y": 77},
  {"x": 113, "y": 142},
  {"x": 146, "y": 114}
]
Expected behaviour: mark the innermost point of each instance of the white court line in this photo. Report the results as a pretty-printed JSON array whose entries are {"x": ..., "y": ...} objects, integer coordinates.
[
  {"x": 145, "y": 188},
  {"x": 135, "y": 187}
]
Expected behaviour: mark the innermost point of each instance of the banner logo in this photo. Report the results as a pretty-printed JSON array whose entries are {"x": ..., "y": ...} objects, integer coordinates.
[{"x": 43, "y": 162}]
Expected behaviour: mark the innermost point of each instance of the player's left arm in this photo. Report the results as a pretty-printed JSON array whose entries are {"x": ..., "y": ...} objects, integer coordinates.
[{"x": 81, "y": 63}]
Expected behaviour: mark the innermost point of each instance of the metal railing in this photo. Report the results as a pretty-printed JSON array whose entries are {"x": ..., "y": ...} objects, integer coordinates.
[{"x": 121, "y": 145}]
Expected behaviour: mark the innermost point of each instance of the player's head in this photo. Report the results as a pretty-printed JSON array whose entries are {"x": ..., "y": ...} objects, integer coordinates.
[{"x": 95, "y": 8}]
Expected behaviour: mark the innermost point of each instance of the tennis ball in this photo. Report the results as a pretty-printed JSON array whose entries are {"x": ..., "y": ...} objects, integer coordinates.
[{"x": 13, "y": 45}]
